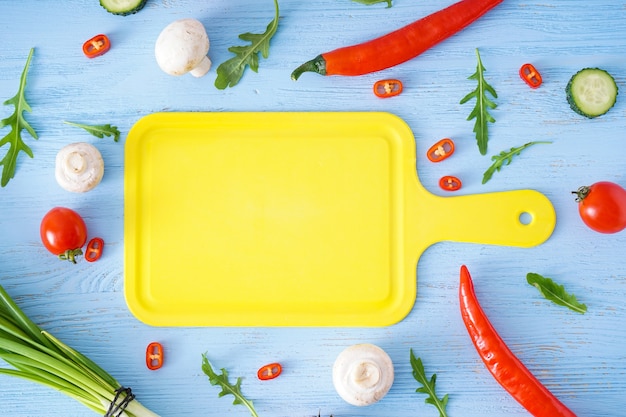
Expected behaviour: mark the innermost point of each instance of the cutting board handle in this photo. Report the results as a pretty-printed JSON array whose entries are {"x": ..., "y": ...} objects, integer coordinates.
[{"x": 523, "y": 218}]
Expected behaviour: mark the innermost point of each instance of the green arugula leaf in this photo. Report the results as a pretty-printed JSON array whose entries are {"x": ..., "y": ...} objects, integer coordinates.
[
  {"x": 17, "y": 123},
  {"x": 555, "y": 292},
  {"x": 227, "y": 387},
  {"x": 230, "y": 72},
  {"x": 99, "y": 131},
  {"x": 505, "y": 158},
  {"x": 428, "y": 386},
  {"x": 483, "y": 104},
  {"x": 370, "y": 2}
]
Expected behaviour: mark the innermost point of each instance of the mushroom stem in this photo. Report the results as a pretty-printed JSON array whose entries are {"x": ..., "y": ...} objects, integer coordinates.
[{"x": 203, "y": 67}]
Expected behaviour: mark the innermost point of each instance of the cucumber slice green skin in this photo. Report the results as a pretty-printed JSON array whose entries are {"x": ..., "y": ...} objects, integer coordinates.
[
  {"x": 591, "y": 92},
  {"x": 123, "y": 7}
]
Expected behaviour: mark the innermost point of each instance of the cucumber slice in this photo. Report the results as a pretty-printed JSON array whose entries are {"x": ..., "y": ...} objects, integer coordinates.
[
  {"x": 123, "y": 7},
  {"x": 591, "y": 92}
]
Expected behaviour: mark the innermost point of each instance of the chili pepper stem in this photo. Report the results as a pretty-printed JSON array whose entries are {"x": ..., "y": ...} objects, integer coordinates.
[{"x": 317, "y": 65}]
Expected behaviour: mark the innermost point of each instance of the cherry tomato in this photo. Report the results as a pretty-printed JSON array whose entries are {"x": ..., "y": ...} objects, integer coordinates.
[
  {"x": 602, "y": 206},
  {"x": 64, "y": 233}
]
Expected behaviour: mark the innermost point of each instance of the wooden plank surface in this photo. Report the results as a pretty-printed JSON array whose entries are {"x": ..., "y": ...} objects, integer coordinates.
[{"x": 581, "y": 358}]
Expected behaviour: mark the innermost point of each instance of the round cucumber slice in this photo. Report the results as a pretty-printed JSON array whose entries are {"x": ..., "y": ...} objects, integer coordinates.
[
  {"x": 591, "y": 92},
  {"x": 123, "y": 7}
]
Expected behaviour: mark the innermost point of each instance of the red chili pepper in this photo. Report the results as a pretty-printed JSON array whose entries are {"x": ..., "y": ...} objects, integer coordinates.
[
  {"x": 154, "y": 356},
  {"x": 506, "y": 368},
  {"x": 96, "y": 46},
  {"x": 440, "y": 150},
  {"x": 530, "y": 75},
  {"x": 94, "y": 249},
  {"x": 398, "y": 46},
  {"x": 387, "y": 88},
  {"x": 449, "y": 183},
  {"x": 270, "y": 371}
]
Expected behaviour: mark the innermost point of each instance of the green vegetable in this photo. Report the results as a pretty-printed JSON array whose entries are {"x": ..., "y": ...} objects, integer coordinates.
[
  {"x": 39, "y": 357},
  {"x": 99, "y": 131},
  {"x": 370, "y": 2},
  {"x": 227, "y": 387},
  {"x": 483, "y": 104},
  {"x": 591, "y": 92},
  {"x": 17, "y": 123},
  {"x": 428, "y": 386},
  {"x": 505, "y": 158},
  {"x": 230, "y": 72},
  {"x": 123, "y": 7},
  {"x": 555, "y": 292}
]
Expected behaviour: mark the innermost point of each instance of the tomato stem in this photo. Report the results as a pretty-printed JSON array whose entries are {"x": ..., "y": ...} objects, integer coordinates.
[
  {"x": 581, "y": 193},
  {"x": 70, "y": 255}
]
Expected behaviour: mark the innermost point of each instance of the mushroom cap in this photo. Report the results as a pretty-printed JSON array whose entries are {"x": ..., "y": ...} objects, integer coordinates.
[
  {"x": 79, "y": 167},
  {"x": 181, "y": 46},
  {"x": 363, "y": 374}
]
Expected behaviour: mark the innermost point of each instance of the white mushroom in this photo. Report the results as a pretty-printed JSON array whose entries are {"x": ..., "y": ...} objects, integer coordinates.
[
  {"x": 363, "y": 374},
  {"x": 182, "y": 47},
  {"x": 79, "y": 167}
]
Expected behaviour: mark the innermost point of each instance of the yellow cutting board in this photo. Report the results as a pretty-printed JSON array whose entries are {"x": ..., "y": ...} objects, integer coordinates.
[{"x": 292, "y": 219}]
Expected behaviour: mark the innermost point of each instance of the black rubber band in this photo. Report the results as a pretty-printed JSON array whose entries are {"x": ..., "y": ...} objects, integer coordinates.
[{"x": 116, "y": 409}]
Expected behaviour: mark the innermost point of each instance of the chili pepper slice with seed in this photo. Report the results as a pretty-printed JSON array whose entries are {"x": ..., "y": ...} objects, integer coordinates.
[
  {"x": 387, "y": 88},
  {"x": 440, "y": 150},
  {"x": 96, "y": 46},
  {"x": 154, "y": 356},
  {"x": 530, "y": 75},
  {"x": 505, "y": 367},
  {"x": 270, "y": 371},
  {"x": 93, "y": 252},
  {"x": 449, "y": 183}
]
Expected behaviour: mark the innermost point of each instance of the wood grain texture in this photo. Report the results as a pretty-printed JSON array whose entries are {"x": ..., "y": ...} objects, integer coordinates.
[{"x": 579, "y": 357}]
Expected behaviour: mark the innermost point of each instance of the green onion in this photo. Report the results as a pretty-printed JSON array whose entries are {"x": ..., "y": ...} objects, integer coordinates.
[{"x": 39, "y": 357}]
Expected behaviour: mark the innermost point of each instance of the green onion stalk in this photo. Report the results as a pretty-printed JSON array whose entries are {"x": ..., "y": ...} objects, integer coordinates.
[{"x": 39, "y": 357}]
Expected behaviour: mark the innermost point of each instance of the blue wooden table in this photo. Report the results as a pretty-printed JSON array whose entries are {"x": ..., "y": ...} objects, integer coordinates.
[{"x": 580, "y": 358}]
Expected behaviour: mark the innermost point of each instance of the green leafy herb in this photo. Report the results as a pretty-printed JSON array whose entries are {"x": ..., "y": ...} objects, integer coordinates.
[
  {"x": 227, "y": 387},
  {"x": 483, "y": 104},
  {"x": 555, "y": 292},
  {"x": 505, "y": 158},
  {"x": 230, "y": 72},
  {"x": 17, "y": 123},
  {"x": 370, "y": 2},
  {"x": 99, "y": 131},
  {"x": 428, "y": 386}
]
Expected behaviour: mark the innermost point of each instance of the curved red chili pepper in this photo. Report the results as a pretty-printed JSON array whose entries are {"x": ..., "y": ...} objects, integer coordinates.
[
  {"x": 505, "y": 367},
  {"x": 154, "y": 356},
  {"x": 530, "y": 75},
  {"x": 440, "y": 150},
  {"x": 270, "y": 371},
  {"x": 96, "y": 46},
  {"x": 94, "y": 249},
  {"x": 387, "y": 88},
  {"x": 399, "y": 46},
  {"x": 449, "y": 183}
]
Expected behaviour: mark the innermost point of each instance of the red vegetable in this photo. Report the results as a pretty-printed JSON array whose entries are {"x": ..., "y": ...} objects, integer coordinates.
[
  {"x": 64, "y": 233},
  {"x": 505, "y": 367},
  {"x": 602, "y": 206},
  {"x": 96, "y": 46},
  {"x": 449, "y": 183},
  {"x": 440, "y": 150},
  {"x": 387, "y": 88},
  {"x": 530, "y": 75},
  {"x": 154, "y": 356},
  {"x": 270, "y": 371},
  {"x": 398, "y": 46},
  {"x": 94, "y": 249}
]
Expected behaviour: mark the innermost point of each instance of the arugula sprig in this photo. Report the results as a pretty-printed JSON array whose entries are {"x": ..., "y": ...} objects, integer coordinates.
[
  {"x": 230, "y": 72},
  {"x": 482, "y": 106},
  {"x": 555, "y": 292},
  {"x": 505, "y": 158},
  {"x": 428, "y": 386},
  {"x": 227, "y": 387},
  {"x": 99, "y": 131},
  {"x": 17, "y": 122}
]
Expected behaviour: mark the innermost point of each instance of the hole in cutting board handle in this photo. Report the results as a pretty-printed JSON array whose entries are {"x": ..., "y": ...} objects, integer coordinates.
[{"x": 525, "y": 218}]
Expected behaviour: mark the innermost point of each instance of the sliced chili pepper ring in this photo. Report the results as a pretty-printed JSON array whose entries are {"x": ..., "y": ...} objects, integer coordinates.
[
  {"x": 94, "y": 249},
  {"x": 530, "y": 75},
  {"x": 449, "y": 183},
  {"x": 96, "y": 46},
  {"x": 441, "y": 150},
  {"x": 387, "y": 88},
  {"x": 154, "y": 356},
  {"x": 269, "y": 371}
]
